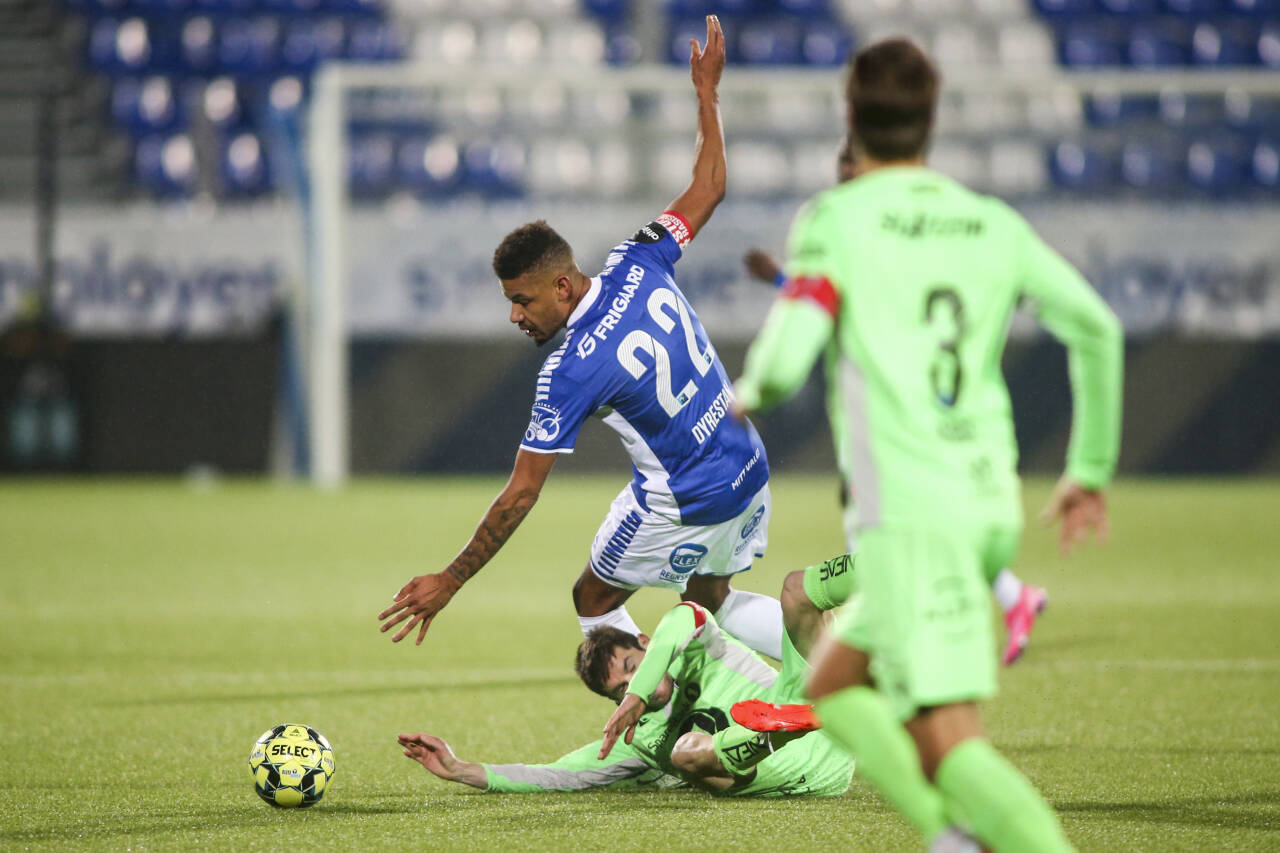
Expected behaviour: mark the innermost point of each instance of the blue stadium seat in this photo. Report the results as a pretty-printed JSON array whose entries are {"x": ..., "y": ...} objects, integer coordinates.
[
  {"x": 198, "y": 48},
  {"x": 494, "y": 169},
  {"x": 1065, "y": 9},
  {"x": 243, "y": 169},
  {"x": 1129, "y": 8},
  {"x": 1090, "y": 45},
  {"x": 166, "y": 166},
  {"x": 222, "y": 104},
  {"x": 608, "y": 10},
  {"x": 804, "y": 8},
  {"x": 120, "y": 45},
  {"x": 376, "y": 41},
  {"x": 1189, "y": 112},
  {"x": 430, "y": 166},
  {"x": 371, "y": 164},
  {"x": 306, "y": 42},
  {"x": 1193, "y": 8},
  {"x": 1252, "y": 113},
  {"x": 1255, "y": 8},
  {"x": 1109, "y": 110},
  {"x": 1159, "y": 44},
  {"x": 1265, "y": 163},
  {"x": 372, "y": 8},
  {"x": 1216, "y": 166},
  {"x": 769, "y": 42},
  {"x": 146, "y": 107},
  {"x": 826, "y": 44},
  {"x": 228, "y": 7},
  {"x": 293, "y": 7},
  {"x": 161, "y": 7},
  {"x": 621, "y": 47},
  {"x": 1080, "y": 166},
  {"x": 1230, "y": 43},
  {"x": 1150, "y": 167},
  {"x": 249, "y": 45},
  {"x": 1269, "y": 45}
]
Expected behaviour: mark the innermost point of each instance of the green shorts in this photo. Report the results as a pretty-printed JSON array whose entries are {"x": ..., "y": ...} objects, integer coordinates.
[
  {"x": 813, "y": 765},
  {"x": 923, "y": 611}
]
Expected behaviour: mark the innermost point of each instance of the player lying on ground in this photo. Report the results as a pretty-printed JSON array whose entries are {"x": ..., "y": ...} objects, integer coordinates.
[
  {"x": 675, "y": 691},
  {"x": 1021, "y": 602},
  {"x": 635, "y": 354}
]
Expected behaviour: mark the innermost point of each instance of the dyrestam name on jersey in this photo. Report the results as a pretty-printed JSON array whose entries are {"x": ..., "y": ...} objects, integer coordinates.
[
  {"x": 617, "y": 308},
  {"x": 712, "y": 417}
]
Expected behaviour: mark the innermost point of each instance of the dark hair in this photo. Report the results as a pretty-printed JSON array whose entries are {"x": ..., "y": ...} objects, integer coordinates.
[
  {"x": 596, "y": 652},
  {"x": 892, "y": 91},
  {"x": 530, "y": 247}
]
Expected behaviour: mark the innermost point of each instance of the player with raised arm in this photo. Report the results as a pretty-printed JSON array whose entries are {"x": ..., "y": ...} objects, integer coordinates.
[
  {"x": 916, "y": 278},
  {"x": 1021, "y": 602},
  {"x": 635, "y": 354},
  {"x": 676, "y": 692}
]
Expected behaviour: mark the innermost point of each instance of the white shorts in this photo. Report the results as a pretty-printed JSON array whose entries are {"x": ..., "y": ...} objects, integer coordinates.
[{"x": 635, "y": 548}]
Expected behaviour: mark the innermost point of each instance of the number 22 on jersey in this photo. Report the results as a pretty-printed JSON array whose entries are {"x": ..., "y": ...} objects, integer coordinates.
[{"x": 663, "y": 304}]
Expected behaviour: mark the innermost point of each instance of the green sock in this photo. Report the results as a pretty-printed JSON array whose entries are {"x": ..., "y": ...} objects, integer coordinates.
[
  {"x": 1004, "y": 809},
  {"x": 830, "y": 584},
  {"x": 740, "y": 749},
  {"x": 858, "y": 718}
]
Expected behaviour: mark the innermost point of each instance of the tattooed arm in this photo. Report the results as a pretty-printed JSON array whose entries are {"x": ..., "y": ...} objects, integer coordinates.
[{"x": 426, "y": 595}]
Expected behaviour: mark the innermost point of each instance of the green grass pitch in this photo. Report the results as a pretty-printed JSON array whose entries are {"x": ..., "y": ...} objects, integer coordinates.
[{"x": 151, "y": 630}]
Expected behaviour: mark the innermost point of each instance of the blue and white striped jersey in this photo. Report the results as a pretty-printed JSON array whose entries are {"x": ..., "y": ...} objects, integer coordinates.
[{"x": 636, "y": 355}]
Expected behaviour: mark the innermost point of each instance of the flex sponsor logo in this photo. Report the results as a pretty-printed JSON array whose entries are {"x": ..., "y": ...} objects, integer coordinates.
[
  {"x": 683, "y": 560},
  {"x": 544, "y": 423}
]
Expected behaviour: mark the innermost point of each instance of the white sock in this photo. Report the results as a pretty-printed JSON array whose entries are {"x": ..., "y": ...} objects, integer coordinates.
[
  {"x": 1007, "y": 588},
  {"x": 618, "y": 617},
  {"x": 754, "y": 619}
]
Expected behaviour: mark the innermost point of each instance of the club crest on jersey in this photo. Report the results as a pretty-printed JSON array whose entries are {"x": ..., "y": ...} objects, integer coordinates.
[{"x": 544, "y": 424}]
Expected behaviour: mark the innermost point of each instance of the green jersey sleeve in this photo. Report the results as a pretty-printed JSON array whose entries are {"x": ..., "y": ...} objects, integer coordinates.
[
  {"x": 671, "y": 636},
  {"x": 1073, "y": 313},
  {"x": 800, "y": 322},
  {"x": 580, "y": 770}
]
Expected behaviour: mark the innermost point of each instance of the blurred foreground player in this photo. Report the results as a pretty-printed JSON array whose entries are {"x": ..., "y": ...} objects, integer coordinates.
[
  {"x": 676, "y": 690},
  {"x": 635, "y": 354},
  {"x": 915, "y": 277},
  {"x": 1021, "y": 602}
]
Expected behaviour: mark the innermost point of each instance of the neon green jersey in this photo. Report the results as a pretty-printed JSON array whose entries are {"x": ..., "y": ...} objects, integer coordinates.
[{"x": 916, "y": 278}]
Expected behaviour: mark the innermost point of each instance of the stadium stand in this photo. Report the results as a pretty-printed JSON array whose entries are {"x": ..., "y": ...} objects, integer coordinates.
[{"x": 194, "y": 84}]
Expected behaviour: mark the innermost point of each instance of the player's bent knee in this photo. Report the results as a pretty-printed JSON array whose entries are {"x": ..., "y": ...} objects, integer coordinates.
[
  {"x": 694, "y": 754},
  {"x": 793, "y": 594}
]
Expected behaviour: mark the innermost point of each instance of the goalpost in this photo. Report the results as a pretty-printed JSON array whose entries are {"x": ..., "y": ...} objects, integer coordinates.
[{"x": 442, "y": 94}]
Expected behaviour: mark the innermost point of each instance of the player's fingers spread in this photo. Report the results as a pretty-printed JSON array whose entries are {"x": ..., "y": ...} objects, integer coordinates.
[
  {"x": 396, "y": 619},
  {"x": 404, "y": 632}
]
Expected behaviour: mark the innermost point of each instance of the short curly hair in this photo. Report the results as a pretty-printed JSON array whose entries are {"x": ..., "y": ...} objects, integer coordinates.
[
  {"x": 533, "y": 246},
  {"x": 596, "y": 653}
]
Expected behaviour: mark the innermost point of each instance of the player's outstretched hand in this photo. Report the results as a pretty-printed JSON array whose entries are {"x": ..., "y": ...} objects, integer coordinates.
[
  {"x": 706, "y": 63},
  {"x": 432, "y": 753},
  {"x": 761, "y": 266},
  {"x": 623, "y": 720},
  {"x": 1080, "y": 510},
  {"x": 419, "y": 601}
]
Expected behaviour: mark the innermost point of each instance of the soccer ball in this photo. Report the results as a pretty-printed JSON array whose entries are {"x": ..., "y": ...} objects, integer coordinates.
[{"x": 291, "y": 766}]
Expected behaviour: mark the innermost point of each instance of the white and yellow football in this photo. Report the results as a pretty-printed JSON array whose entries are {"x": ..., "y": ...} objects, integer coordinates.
[{"x": 291, "y": 766}]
